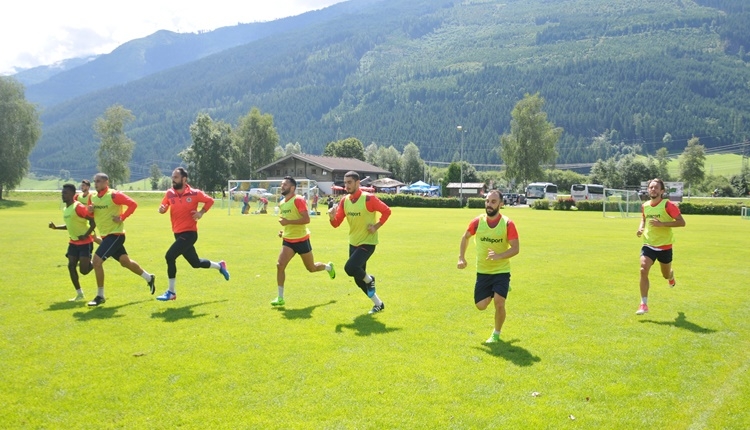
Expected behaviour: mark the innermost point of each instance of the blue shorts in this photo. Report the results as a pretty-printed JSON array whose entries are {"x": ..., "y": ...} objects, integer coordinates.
[
  {"x": 663, "y": 256},
  {"x": 487, "y": 285},
  {"x": 80, "y": 251},
  {"x": 112, "y": 245},
  {"x": 299, "y": 247}
]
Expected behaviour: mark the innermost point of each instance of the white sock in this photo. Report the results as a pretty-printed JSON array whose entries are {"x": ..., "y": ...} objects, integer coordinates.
[
  {"x": 100, "y": 291},
  {"x": 367, "y": 279},
  {"x": 496, "y": 332},
  {"x": 281, "y": 291},
  {"x": 215, "y": 265},
  {"x": 79, "y": 291},
  {"x": 328, "y": 267},
  {"x": 145, "y": 275},
  {"x": 172, "y": 282},
  {"x": 376, "y": 300},
  {"x": 644, "y": 300}
]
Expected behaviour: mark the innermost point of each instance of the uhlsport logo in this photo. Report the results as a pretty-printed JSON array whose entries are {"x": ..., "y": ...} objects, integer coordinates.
[
  {"x": 491, "y": 240},
  {"x": 353, "y": 213}
]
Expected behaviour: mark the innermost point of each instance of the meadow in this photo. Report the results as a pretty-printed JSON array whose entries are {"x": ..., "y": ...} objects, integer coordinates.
[{"x": 574, "y": 354}]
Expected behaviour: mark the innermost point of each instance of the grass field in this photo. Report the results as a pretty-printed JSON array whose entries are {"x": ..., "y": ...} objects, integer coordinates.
[{"x": 574, "y": 354}]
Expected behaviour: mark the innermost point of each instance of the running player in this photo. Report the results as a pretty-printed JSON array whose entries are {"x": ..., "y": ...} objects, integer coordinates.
[
  {"x": 183, "y": 201},
  {"x": 79, "y": 227},
  {"x": 359, "y": 208},
  {"x": 658, "y": 218},
  {"x": 84, "y": 197},
  {"x": 106, "y": 207},
  {"x": 496, "y": 242},
  {"x": 294, "y": 217}
]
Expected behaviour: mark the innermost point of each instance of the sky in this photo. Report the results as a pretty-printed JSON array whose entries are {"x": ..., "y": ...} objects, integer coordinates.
[{"x": 36, "y": 32}]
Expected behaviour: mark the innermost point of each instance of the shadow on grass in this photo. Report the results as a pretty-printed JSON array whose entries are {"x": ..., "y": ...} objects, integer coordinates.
[
  {"x": 515, "y": 354},
  {"x": 182, "y": 313},
  {"x": 61, "y": 306},
  {"x": 103, "y": 312},
  {"x": 682, "y": 322},
  {"x": 366, "y": 325},
  {"x": 301, "y": 314},
  {"x": 9, "y": 204}
]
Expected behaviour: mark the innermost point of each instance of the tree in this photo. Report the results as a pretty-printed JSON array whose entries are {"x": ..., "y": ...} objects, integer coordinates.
[
  {"x": 20, "y": 129},
  {"x": 606, "y": 173},
  {"x": 371, "y": 153},
  {"x": 454, "y": 174},
  {"x": 692, "y": 161},
  {"x": 412, "y": 166},
  {"x": 115, "y": 148},
  {"x": 156, "y": 176},
  {"x": 531, "y": 141},
  {"x": 350, "y": 147},
  {"x": 209, "y": 157},
  {"x": 662, "y": 163},
  {"x": 634, "y": 170},
  {"x": 255, "y": 139},
  {"x": 390, "y": 160}
]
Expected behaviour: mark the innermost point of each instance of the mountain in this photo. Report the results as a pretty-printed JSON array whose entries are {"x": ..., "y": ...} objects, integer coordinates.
[
  {"x": 393, "y": 72},
  {"x": 40, "y": 74}
]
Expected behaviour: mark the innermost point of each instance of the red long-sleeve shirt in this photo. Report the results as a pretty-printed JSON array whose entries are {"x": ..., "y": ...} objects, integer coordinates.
[
  {"x": 184, "y": 205},
  {"x": 372, "y": 204}
]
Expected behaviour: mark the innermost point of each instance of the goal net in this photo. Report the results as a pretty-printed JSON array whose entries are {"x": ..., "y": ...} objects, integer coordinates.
[
  {"x": 262, "y": 196},
  {"x": 621, "y": 203}
]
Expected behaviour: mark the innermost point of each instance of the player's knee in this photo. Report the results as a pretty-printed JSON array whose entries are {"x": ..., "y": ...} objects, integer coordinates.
[
  {"x": 72, "y": 266},
  {"x": 350, "y": 269},
  {"x": 481, "y": 305}
]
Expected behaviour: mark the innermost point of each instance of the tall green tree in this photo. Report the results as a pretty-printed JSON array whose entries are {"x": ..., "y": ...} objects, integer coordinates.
[
  {"x": 350, "y": 147},
  {"x": 531, "y": 141},
  {"x": 20, "y": 129},
  {"x": 255, "y": 139},
  {"x": 115, "y": 147},
  {"x": 606, "y": 172},
  {"x": 209, "y": 157},
  {"x": 662, "y": 163},
  {"x": 692, "y": 161},
  {"x": 390, "y": 160},
  {"x": 371, "y": 153},
  {"x": 412, "y": 165},
  {"x": 155, "y": 176}
]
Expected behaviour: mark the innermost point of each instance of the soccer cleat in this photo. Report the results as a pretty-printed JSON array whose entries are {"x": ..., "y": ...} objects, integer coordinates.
[
  {"x": 642, "y": 309},
  {"x": 672, "y": 281},
  {"x": 278, "y": 301},
  {"x": 377, "y": 308},
  {"x": 494, "y": 338},
  {"x": 332, "y": 272},
  {"x": 77, "y": 298},
  {"x": 223, "y": 269},
  {"x": 98, "y": 300},
  {"x": 371, "y": 288},
  {"x": 168, "y": 295},
  {"x": 152, "y": 284}
]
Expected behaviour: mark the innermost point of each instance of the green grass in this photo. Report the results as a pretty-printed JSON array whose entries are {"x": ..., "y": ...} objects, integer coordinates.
[
  {"x": 726, "y": 165},
  {"x": 221, "y": 357}
]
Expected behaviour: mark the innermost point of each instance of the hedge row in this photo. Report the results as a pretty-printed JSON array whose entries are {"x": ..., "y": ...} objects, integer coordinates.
[
  {"x": 687, "y": 208},
  {"x": 412, "y": 201}
]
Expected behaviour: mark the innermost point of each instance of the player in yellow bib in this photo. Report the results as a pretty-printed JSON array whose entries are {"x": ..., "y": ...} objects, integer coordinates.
[
  {"x": 106, "y": 207},
  {"x": 79, "y": 227},
  {"x": 359, "y": 208},
  {"x": 294, "y": 217},
  {"x": 84, "y": 197},
  {"x": 496, "y": 242},
  {"x": 658, "y": 218}
]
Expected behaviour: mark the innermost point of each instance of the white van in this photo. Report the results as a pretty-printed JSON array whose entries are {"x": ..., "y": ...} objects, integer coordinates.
[
  {"x": 541, "y": 190},
  {"x": 587, "y": 192}
]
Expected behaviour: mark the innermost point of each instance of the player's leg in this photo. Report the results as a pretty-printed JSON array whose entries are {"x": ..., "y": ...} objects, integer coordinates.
[
  {"x": 500, "y": 287},
  {"x": 125, "y": 261},
  {"x": 311, "y": 265},
  {"x": 72, "y": 270},
  {"x": 665, "y": 262},
  {"x": 647, "y": 260},
  {"x": 285, "y": 256},
  {"x": 356, "y": 267}
]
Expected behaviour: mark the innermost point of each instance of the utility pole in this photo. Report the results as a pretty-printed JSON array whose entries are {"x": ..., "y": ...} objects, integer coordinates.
[{"x": 461, "y": 165}]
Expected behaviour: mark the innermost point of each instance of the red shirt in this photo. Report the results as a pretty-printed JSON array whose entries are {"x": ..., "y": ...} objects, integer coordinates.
[
  {"x": 83, "y": 212},
  {"x": 118, "y": 198},
  {"x": 372, "y": 204},
  {"x": 671, "y": 208},
  {"x": 512, "y": 232},
  {"x": 184, "y": 205}
]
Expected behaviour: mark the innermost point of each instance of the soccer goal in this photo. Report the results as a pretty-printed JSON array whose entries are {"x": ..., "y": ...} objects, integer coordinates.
[
  {"x": 264, "y": 195},
  {"x": 621, "y": 203},
  {"x": 745, "y": 213}
]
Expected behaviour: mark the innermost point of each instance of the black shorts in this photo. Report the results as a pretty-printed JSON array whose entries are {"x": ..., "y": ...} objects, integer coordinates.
[
  {"x": 112, "y": 246},
  {"x": 299, "y": 247},
  {"x": 663, "y": 256},
  {"x": 487, "y": 285},
  {"x": 80, "y": 251}
]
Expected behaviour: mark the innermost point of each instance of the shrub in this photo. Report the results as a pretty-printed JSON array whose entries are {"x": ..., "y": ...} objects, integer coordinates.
[
  {"x": 689, "y": 208},
  {"x": 590, "y": 205},
  {"x": 541, "y": 204},
  {"x": 564, "y": 204},
  {"x": 476, "y": 203},
  {"x": 412, "y": 201}
]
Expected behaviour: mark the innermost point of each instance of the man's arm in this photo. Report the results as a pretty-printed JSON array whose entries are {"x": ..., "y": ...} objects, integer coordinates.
[
  {"x": 336, "y": 218},
  {"x": 510, "y": 252},
  {"x": 119, "y": 198},
  {"x": 462, "y": 249}
]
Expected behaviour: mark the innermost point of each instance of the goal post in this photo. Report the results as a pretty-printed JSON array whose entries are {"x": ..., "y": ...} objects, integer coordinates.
[
  {"x": 621, "y": 203},
  {"x": 258, "y": 190}
]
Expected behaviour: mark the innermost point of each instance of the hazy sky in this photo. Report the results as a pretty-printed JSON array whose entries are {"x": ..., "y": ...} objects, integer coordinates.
[{"x": 35, "y": 32}]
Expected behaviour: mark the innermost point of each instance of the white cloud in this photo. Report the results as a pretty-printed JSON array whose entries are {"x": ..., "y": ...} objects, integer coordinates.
[{"x": 38, "y": 33}]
